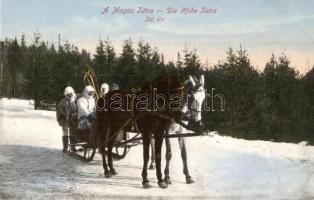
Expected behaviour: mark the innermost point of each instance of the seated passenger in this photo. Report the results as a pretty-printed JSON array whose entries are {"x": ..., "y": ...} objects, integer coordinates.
[
  {"x": 104, "y": 89},
  {"x": 86, "y": 108},
  {"x": 114, "y": 86}
]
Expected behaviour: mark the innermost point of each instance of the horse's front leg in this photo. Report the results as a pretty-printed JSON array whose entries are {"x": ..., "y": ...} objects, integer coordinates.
[
  {"x": 104, "y": 163},
  {"x": 110, "y": 163},
  {"x": 152, "y": 158},
  {"x": 146, "y": 144},
  {"x": 168, "y": 158},
  {"x": 158, "y": 144},
  {"x": 188, "y": 177},
  {"x": 107, "y": 172}
]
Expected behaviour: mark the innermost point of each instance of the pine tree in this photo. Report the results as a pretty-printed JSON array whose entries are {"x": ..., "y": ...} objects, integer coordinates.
[
  {"x": 125, "y": 70},
  {"x": 238, "y": 81},
  {"x": 179, "y": 62},
  {"x": 2, "y": 56},
  {"x": 14, "y": 63},
  {"x": 99, "y": 61},
  {"x": 191, "y": 64},
  {"x": 110, "y": 61},
  {"x": 307, "y": 104},
  {"x": 278, "y": 100},
  {"x": 144, "y": 72}
]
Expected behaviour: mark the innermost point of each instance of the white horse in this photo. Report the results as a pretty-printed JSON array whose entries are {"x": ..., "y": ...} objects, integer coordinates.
[{"x": 195, "y": 92}]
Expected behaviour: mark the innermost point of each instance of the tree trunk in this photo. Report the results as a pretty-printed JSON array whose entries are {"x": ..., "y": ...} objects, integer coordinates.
[
  {"x": 14, "y": 83},
  {"x": 1, "y": 76}
]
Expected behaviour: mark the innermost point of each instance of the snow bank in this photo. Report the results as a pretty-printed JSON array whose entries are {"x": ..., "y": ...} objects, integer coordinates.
[{"x": 33, "y": 167}]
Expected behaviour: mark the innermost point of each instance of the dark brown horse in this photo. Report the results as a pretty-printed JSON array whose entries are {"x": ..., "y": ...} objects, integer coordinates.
[{"x": 150, "y": 111}]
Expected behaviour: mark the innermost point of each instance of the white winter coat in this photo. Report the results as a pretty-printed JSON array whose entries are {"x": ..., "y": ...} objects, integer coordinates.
[{"x": 86, "y": 104}]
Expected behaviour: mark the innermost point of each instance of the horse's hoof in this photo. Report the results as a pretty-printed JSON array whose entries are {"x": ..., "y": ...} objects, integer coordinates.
[
  {"x": 151, "y": 166},
  {"x": 189, "y": 180},
  {"x": 113, "y": 172},
  {"x": 168, "y": 181},
  {"x": 107, "y": 174},
  {"x": 146, "y": 185},
  {"x": 162, "y": 184}
]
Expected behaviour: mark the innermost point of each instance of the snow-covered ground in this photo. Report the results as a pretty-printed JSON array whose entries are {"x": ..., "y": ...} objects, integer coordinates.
[{"x": 33, "y": 166}]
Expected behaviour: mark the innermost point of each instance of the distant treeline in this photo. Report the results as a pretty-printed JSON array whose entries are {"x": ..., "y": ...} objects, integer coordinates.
[{"x": 276, "y": 104}]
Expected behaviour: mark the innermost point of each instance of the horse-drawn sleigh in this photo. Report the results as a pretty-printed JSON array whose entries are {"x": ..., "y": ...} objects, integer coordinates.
[{"x": 125, "y": 119}]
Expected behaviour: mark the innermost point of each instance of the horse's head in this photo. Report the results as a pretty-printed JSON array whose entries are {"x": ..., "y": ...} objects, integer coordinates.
[{"x": 195, "y": 92}]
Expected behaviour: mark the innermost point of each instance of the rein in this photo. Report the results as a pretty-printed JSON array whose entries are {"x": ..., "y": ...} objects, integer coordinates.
[
  {"x": 194, "y": 110},
  {"x": 90, "y": 78},
  {"x": 171, "y": 119},
  {"x": 134, "y": 118},
  {"x": 175, "y": 89},
  {"x": 122, "y": 127}
]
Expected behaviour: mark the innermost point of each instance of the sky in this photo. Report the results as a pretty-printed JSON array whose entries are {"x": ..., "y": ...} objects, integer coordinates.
[{"x": 262, "y": 27}]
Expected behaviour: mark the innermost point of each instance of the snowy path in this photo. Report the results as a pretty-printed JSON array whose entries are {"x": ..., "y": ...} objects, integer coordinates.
[{"x": 33, "y": 167}]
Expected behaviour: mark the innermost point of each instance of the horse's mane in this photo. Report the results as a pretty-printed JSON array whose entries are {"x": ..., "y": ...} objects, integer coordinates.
[{"x": 163, "y": 82}]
